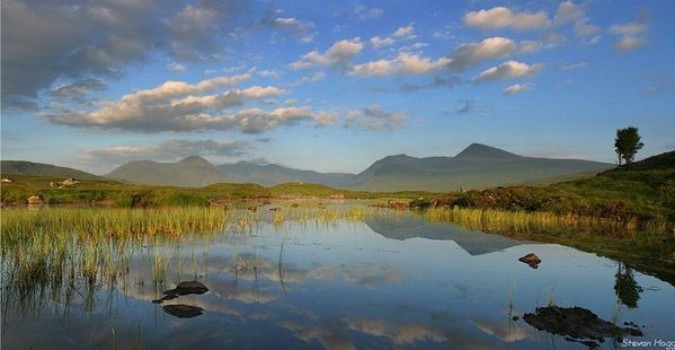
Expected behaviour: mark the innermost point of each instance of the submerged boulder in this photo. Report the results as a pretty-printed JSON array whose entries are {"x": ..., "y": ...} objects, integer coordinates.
[
  {"x": 531, "y": 259},
  {"x": 190, "y": 287},
  {"x": 187, "y": 288},
  {"x": 183, "y": 288},
  {"x": 577, "y": 324}
]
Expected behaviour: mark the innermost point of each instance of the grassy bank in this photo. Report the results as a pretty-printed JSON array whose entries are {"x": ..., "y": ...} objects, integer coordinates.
[
  {"x": 648, "y": 247},
  {"x": 117, "y": 194},
  {"x": 642, "y": 193}
]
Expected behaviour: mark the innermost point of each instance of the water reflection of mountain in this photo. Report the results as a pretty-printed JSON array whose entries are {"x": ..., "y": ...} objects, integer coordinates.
[{"x": 408, "y": 226}]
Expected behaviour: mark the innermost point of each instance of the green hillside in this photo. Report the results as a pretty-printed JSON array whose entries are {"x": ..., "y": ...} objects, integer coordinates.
[
  {"x": 476, "y": 167},
  {"x": 644, "y": 191},
  {"x": 18, "y": 167}
]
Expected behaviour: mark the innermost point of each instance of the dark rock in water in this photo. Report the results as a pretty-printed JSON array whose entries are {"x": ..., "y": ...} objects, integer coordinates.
[
  {"x": 187, "y": 288},
  {"x": 183, "y": 288},
  {"x": 183, "y": 311},
  {"x": 578, "y": 325},
  {"x": 531, "y": 259}
]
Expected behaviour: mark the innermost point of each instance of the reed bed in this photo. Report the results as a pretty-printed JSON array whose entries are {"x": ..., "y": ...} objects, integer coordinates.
[
  {"x": 542, "y": 222},
  {"x": 84, "y": 223},
  {"x": 52, "y": 244}
]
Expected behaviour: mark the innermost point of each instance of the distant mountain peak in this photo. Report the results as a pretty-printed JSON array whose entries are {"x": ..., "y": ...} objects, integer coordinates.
[
  {"x": 195, "y": 160},
  {"x": 479, "y": 151},
  {"x": 399, "y": 156}
]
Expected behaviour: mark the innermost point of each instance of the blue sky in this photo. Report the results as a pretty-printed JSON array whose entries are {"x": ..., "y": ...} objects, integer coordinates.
[{"x": 331, "y": 85}]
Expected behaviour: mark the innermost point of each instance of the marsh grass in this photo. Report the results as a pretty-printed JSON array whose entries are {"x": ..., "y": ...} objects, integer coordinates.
[
  {"x": 97, "y": 224},
  {"x": 543, "y": 222},
  {"x": 58, "y": 253}
]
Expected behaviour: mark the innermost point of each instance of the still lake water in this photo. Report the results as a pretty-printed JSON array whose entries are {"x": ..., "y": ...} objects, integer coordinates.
[{"x": 389, "y": 281}]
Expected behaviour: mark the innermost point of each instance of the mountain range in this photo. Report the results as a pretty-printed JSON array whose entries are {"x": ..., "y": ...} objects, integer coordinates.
[{"x": 476, "y": 167}]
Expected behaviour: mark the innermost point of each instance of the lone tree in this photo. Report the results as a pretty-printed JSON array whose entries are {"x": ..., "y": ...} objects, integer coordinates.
[{"x": 627, "y": 144}]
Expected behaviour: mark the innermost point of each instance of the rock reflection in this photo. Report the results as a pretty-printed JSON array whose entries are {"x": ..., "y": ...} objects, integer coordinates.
[{"x": 183, "y": 311}]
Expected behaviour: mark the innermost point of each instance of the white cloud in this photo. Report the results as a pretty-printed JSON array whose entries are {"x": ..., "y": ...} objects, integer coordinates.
[
  {"x": 568, "y": 11},
  {"x": 166, "y": 151},
  {"x": 338, "y": 55},
  {"x": 502, "y": 17},
  {"x": 176, "y": 67},
  {"x": 177, "y": 106},
  {"x": 78, "y": 88},
  {"x": 404, "y": 63},
  {"x": 508, "y": 70},
  {"x": 517, "y": 88},
  {"x": 630, "y": 28},
  {"x": 629, "y": 43},
  {"x": 175, "y": 88},
  {"x": 467, "y": 55},
  {"x": 269, "y": 74},
  {"x": 367, "y": 13},
  {"x": 318, "y": 76},
  {"x": 375, "y": 118},
  {"x": 404, "y": 32},
  {"x": 528, "y": 46},
  {"x": 255, "y": 120},
  {"x": 377, "y": 41},
  {"x": 630, "y": 33},
  {"x": 583, "y": 28},
  {"x": 303, "y": 31},
  {"x": 407, "y": 32}
]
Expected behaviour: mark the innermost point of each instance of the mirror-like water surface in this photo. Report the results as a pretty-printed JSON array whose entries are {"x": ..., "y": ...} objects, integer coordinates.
[{"x": 388, "y": 281}]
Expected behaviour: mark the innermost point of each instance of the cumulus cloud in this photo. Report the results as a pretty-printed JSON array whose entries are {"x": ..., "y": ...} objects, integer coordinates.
[
  {"x": 630, "y": 33},
  {"x": 255, "y": 120},
  {"x": 78, "y": 88},
  {"x": 44, "y": 42},
  {"x": 508, "y": 70},
  {"x": 568, "y": 11},
  {"x": 630, "y": 28},
  {"x": 177, "y": 106},
  {"x": 375, "y": 118},
  {"x": 436, "y": 83},
  {"x": 365, "y": 13},
  {"x": 407, "y": 32},
  {"x": 302, "y": 30},
  {"x": 404, "y": 32},
  {"x": 338, "y": 55},
  {"x": 176, "y": 67},
  {"x": 47, "y": 40},
  {"x": 517, "y": 88},
  {"x": 377, "y": 41},
  {"x": 583, "y": 28},
  {"x": 308, "y": 79},
  {"x": 404, "y": 63},
  {"x": 167, "y": 151},
  {"x": 467, "y": 55},
  {"x": 502, "y": 17},
  {"x": 629, "y": 43}
]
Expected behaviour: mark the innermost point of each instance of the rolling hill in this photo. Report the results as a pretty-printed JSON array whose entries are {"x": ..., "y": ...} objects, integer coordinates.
[
  {"x": 19, "y": 167},
  {"x": 476, "y": 167},
  {"x": 273, "y": 174},
  {"x": 193, "y": 171}
]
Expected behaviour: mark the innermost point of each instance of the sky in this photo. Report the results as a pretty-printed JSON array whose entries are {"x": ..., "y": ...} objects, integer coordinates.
[{"x": 331, "y": 86}]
